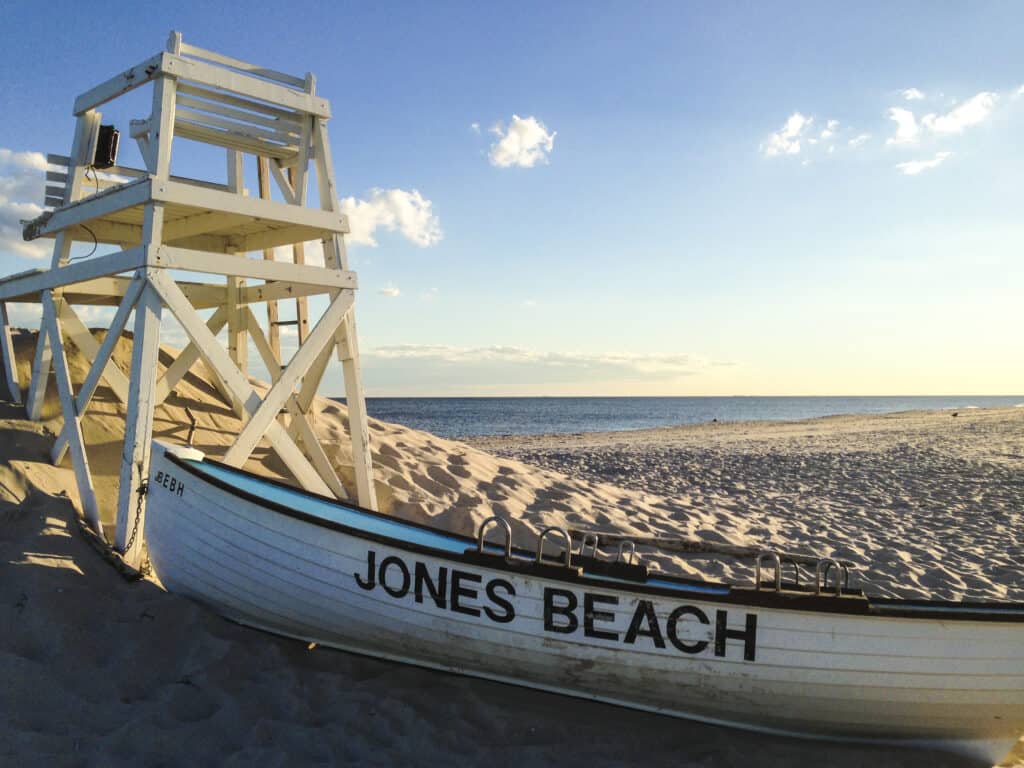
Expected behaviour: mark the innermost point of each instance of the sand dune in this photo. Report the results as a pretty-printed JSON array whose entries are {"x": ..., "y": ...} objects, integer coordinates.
[{"x": 100, "y": 672}]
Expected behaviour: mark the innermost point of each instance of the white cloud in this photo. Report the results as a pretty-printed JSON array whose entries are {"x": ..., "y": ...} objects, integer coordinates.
[
  {"x": 392, "y": 209},
  {"x": 912, "y": 94},
  {"x": 390, "y": 290},
  {"x": 474, "y": 127},
  {"x": 907, "y": 129},
  {"x": 21, "y": 193},
  {"x": 656, "y": 365},
  {"x": 971, "y": 112},
  {"x": 858, "y": 141},
  {"x": 524, "y": 143},
  {"x": 1019, "y": 92},
  {"x": 915, "y": 167},
  {"x": 830, "y": 129},
  {"x": 786, "y": 141}
]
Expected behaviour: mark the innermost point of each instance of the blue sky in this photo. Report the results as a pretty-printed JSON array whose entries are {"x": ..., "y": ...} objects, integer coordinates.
[{"x": 704, "y": 198}]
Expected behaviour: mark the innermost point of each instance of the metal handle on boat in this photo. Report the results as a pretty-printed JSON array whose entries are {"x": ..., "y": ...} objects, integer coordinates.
[
  {"x": 774, "y": 559},
  {"x": 632, "y": 551},
  {"x": 593, "y": 541},
  {"x": 568, "y": 544},
  {"x": 841, "y": 571},
  {"x": 508, "y": 535},
  {"x": 796, "y": 569},
  {"x": 821, "y": 575}
]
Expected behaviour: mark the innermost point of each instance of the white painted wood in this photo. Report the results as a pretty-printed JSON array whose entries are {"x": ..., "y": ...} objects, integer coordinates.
[
  {"x": 273, "y": 312},
  {"x": 358, "y": 427},
  {"x": 79, "y": 459},
  {"x": 128, "y": 80},
  {"x": 243, "y": 85},
  {"x": 138, "y": 435},
  {"x": 283, "y": 184},
  {"x": 76, "y": 272},
  {"x": 101, "y": 364},
  {"x": 217, "y": 359},
  {"x": 200, "y": 224},
  {"x": 214, "y": 200},
  {"x": 187, "y": 358},
  {"x": 299, "y": 426},
  {"x": 10, "y": 363},
  {"x": 161, "y": 128},
  {"x": 955, "y": 683},
  {"x": 290, "y": 377},
  {"x": 285, "y": 122},
  {"x": 315, "y": 450},
  {"x": 93, "y": 207},
  {"x": 199, "y": 119},
  {"x": 81, "y": 337},
  {"x": 244, "y": 66},
  {"x": 40, "y": 371},
  {"x": 223, "y": 264},
  {"x": 277, "y": 112}
]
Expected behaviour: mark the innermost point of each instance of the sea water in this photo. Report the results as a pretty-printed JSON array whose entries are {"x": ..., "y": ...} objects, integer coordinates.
[{"x": 465, "y": 416}]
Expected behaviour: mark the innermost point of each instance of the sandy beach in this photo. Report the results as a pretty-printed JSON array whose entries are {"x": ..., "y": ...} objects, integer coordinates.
[{"x": 103, "y": 672}]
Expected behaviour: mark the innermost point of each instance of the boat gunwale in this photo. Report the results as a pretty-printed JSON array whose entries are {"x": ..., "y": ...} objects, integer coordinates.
[{"x": 916, "y": 608}]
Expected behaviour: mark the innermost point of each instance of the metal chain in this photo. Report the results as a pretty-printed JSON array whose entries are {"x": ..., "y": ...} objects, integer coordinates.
[{"x": 142, "y": 490}]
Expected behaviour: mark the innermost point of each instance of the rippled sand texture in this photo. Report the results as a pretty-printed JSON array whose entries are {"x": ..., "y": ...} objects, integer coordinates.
[{"x": 930, "y": 504}]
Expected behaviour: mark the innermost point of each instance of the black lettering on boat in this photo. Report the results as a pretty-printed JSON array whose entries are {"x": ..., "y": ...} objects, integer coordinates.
[
  {"x": 591, "y": 615},
  {"x": 508, "y": 612},
  {"x": 371, "y": 572},
  {"x": 566, "y": 609},
  {"x": 438, "y": 590},
  {"x": 645, "y": 612},
  {"x": 459, "y": 592},
  {"x": 672, "y": 628},
  {"x": 386, "y": 563},
  {"x": 747, "y": 635}
]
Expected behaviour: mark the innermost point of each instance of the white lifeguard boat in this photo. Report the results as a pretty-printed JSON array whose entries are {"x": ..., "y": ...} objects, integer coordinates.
[{"x": 776, "y": 658}]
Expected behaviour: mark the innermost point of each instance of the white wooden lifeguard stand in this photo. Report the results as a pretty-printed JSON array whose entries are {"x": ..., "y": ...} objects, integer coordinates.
[{"x": 163, "y": 223}]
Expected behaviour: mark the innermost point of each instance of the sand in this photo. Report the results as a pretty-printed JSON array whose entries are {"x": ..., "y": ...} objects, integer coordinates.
[{"x": 102, "y": 672}]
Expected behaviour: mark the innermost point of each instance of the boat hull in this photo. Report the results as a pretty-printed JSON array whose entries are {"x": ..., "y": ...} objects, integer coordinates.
[{"x": 957, "y": 683}]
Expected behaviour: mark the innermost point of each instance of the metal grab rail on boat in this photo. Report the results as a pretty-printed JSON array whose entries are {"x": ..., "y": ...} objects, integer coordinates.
[
  {"x": 826, "y": 564},
  {"x": 508, "y": 535},
  {"x": 632, "y": 551},
  {"x": 594, "y": 541},
  {"x": 568, "y": 544},
  {"x": 796, "y": 570},
  {"x": 774, "y": 558}
]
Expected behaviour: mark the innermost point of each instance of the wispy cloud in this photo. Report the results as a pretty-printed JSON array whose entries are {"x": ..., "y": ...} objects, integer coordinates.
[
  {"x": 474, "y": 127},
  {"x": 21, "y": 192},
  {"x": 912, "y": 94},
  {"x": 915, "y": 167},
  {"x": 907, "y": 129},
  {"x": 523, "y": 143},
  {"x": 971, "y": 112},
  {"x": 786, "y": 141},
  {"x": 392, "y": 209},
  {"x": 390, "y": 290},
  {"x": 651, "y": 365},
  {"x": 859, "y": 140}
]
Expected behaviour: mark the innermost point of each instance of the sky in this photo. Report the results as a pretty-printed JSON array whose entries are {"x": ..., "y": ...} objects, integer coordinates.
[{"x": 619, "y": 198}]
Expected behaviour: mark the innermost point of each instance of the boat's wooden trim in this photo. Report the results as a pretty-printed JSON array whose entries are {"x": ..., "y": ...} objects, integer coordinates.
[{"x": 851, "y": 604}]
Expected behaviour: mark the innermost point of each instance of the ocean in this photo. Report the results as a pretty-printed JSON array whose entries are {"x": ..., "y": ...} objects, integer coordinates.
[{"x": 466, "y": 416}]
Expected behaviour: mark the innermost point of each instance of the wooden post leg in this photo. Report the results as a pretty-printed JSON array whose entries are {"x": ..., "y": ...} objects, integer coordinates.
[
  {"x": 131, "y": 500},
  {"x": 7, "y": 350},
  {"x": 79, "y": 459},
  {"x": 40, "y": 371},
  {"x": 357, "y": 425}
]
